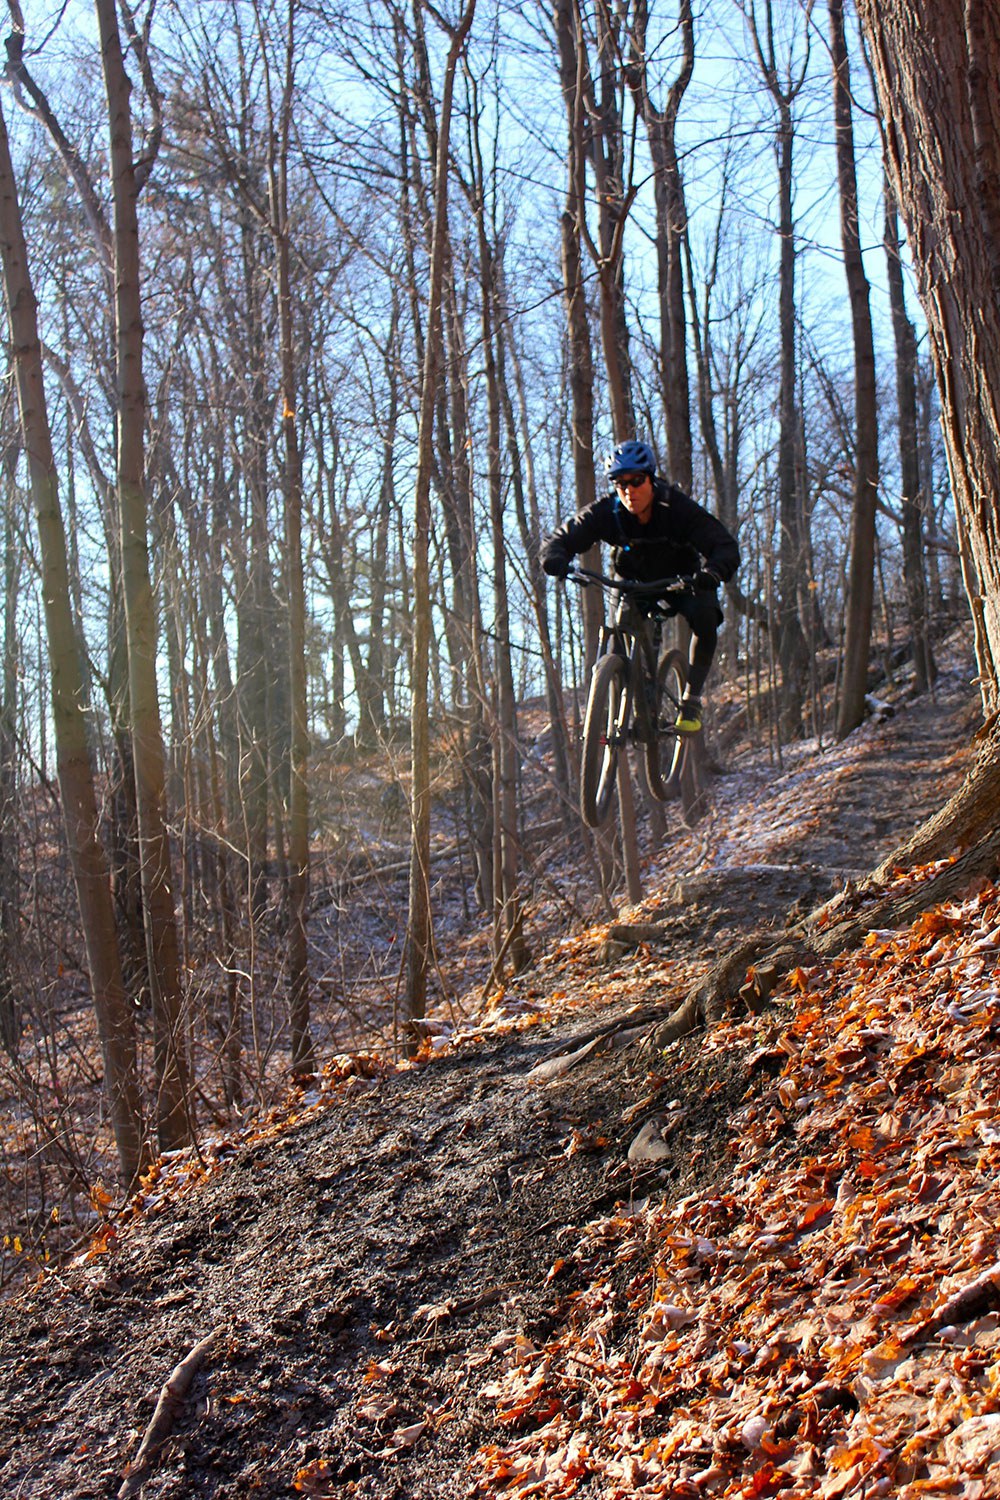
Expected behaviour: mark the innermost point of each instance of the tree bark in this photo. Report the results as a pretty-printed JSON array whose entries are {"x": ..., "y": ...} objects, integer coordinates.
[
  {"x": 580, "y": 352},
  {"x": 296, "y": 947},
  {"x": 671, "y": 231},
  {"x": 911, "y": 501},
  {"x": 793, "y": 550},
  {"x": 420, "y": 932},
  {"x": 934, "y": 63},
  {"x": 614, "y": 199},
  {"x": 508, "y": 911},
  {"x": 140, "y": 610},
  {"x": 11, "y": 1021},
  {"x": 76, "y": 778},
  {"x": 526, "y": 505},
  {"x": 861, "y": 575}
]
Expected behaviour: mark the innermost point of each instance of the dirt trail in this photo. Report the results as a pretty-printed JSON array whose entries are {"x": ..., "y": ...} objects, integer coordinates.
[{"x": 363, "y": 1265}]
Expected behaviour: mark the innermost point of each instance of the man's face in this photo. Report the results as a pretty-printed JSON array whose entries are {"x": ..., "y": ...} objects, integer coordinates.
[{"x": 636, "y": 494}]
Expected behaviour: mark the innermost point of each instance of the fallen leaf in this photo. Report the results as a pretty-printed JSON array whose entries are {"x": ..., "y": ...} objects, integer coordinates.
[{"x": 404, "y": 1437}]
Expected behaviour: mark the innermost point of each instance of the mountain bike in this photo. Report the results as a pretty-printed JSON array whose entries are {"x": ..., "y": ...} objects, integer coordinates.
[{"x": 635, "y": 696}]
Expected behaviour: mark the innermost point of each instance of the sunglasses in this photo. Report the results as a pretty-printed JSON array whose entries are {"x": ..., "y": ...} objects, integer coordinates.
[{"x": 631, "y": 481}]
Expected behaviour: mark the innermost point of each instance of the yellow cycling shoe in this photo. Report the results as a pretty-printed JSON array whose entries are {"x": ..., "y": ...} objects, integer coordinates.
[{"x": 688, "y": 720}]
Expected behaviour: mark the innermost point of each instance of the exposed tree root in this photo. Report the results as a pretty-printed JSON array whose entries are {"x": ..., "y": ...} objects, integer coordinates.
[
  {"x": 966, "y": 831},
  {"x": 609, "y": 1038},
  {"x": 968, "y": 826},
  {"x": 172, "y": 1398}
]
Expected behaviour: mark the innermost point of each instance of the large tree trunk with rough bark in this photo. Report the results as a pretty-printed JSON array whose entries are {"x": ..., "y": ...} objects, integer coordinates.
[{"x": 936, "y": 66}]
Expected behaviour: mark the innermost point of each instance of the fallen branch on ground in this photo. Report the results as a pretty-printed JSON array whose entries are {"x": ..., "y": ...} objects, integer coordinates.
[
  {"x": 971, "y": 1301},
  {"x": 168, "y": 1407},
  {"x": 602, "y": 1039}
]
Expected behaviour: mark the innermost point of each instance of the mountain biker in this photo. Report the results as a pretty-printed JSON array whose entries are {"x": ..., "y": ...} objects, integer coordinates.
[{"x": 655, "y": 530}]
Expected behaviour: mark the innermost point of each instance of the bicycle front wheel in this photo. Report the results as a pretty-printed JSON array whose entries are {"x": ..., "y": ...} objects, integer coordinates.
[
  {"x": 604, "y": 730},
  {"x": 666, "y": 751}
]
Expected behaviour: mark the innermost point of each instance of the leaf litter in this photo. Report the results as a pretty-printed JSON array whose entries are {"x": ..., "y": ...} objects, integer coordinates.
[{"x": 446, "y": 1280}]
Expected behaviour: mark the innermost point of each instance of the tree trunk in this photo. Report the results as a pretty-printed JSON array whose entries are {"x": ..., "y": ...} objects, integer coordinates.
[
  {"x": 255, "y": 599},
  {"x": 371, "y": 686},
  {"x": 914, "y": 576},
  {"x": 933, "y": 63},
  {"x": 793, "y": 651},
  {"x": 221, "y": 742},
  {"x": 671, "y": 230},
  {"x": 296, "y": 947},
  {"x": 792, "y": 648},
  {"x": 507, "y": 903},
  {"x": 76, "y": 779},
  {"x": 724, "y": 463},
  {"x": 857, "y": 640},
  {"x": 580, "y": 354},
  {"x": 10, "y": 1000},
  {"x": 420, "y": 934},
  {"x": 526, "y": 506},
  {"x": 614, "y": 198},
  {"x": 466, "y": 637},
  {"x": 140, "y": 610}
]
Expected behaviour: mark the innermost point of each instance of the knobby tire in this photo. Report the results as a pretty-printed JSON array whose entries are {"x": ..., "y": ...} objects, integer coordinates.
[
  {"x": 666, "y": 753},
  {"x": 605, "y": 721}
]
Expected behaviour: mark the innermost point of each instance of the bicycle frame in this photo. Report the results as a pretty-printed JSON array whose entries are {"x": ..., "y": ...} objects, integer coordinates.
[
  {"x": 635, "y": 633},
  {"x": 629, "y": 680},
  {"x": 632, "y": 636}
]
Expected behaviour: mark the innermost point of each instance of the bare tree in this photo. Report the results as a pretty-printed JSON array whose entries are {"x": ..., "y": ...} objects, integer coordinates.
[
  {"x": 508, "y": 913},
  {"x": 76, "y": 780},
  {"x": 569, "y": 42},
  {"x": 10, "y": 1000},
  {"x": 419, "y": 937},
  {"x": 911, "y": 486},
  {"x": 280, "y": 119},
  {"x": 858, "y": 629},
  {"x": 127, "y": 178},
  {"x": 671, "y": 229},
  {"x": 784, "y": 83}
]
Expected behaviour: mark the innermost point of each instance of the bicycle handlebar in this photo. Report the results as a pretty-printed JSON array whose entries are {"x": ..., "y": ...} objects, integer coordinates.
[{"x": 679, "y": 584}]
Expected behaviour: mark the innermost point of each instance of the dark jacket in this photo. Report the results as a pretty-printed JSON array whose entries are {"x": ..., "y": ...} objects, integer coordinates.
[{"x": 679, "y": 537}]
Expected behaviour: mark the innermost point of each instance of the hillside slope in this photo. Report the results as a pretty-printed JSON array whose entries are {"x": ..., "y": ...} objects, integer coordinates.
[{"x": 752, "y": 1266}]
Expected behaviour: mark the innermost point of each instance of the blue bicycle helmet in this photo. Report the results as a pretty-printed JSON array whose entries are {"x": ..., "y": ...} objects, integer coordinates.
[{"x": 632, "y": 458}]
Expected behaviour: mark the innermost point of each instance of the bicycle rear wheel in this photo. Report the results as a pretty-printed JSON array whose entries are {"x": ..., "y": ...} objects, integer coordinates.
[
  {"x": 603, "y": 734},
  {"x": 666, "y": 752}
]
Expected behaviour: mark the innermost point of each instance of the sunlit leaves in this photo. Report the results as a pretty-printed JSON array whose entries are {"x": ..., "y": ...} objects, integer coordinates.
[{"x": 828, "y": 1323}]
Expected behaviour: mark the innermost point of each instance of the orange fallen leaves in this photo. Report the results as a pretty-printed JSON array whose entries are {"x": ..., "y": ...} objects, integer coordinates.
[
  {"x": 316, "y": 1479},
  {"x": 806, "y": 1354}
]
